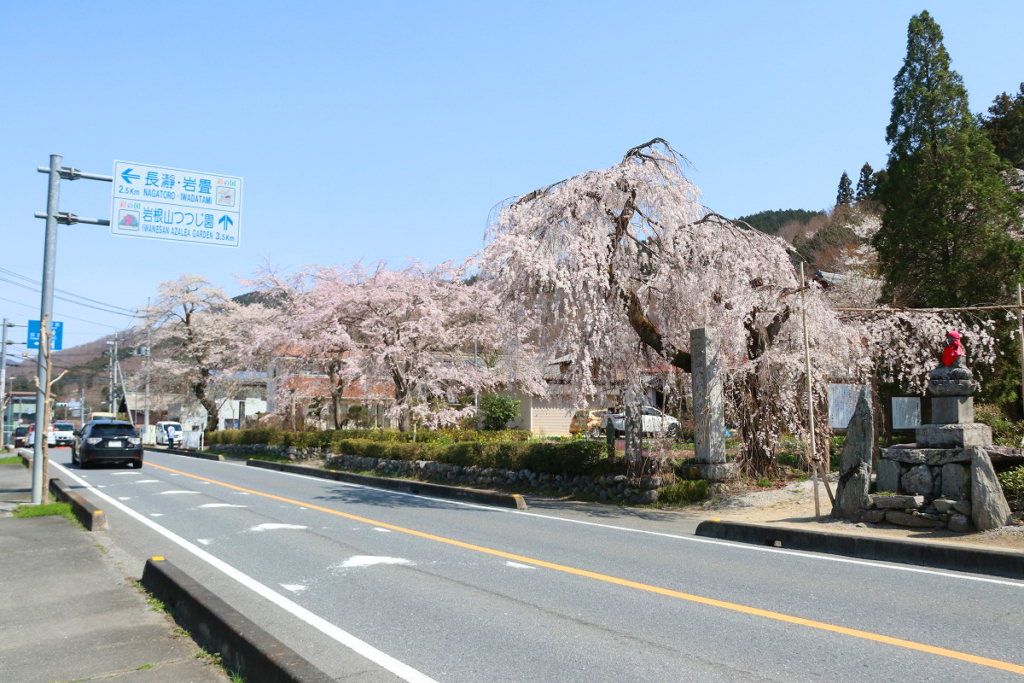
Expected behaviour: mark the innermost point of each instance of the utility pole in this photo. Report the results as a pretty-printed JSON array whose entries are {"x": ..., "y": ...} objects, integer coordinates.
[
  {"x": 45, "y": 318},
  {"x": 124, "y": 393},
  {"x": 53, "y": 216},
  {"x": 3, "y": 385},
  {"x": 111, "y": 346},
  {"x": 149, "y": 367}
]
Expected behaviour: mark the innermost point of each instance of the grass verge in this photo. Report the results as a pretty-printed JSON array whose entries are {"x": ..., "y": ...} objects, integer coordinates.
[
  {"x": 683, "y": 493},
  {"x": 11, "y": 460},
  {"x": 48, "y": 510}
]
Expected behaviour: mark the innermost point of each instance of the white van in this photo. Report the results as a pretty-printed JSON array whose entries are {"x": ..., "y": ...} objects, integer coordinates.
[{"x": 161, "y": 433}]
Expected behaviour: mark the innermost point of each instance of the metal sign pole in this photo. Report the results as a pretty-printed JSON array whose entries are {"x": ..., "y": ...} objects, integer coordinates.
[
  {"x": 45, "y": 316},
  {"x": 3, "y": 385}
]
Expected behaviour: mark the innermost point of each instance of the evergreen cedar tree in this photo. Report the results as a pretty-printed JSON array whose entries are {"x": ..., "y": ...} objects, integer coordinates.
[
  {"x": 844, "y": 197},
  {"x": 866, "y": 183},
  {"x": 948, "y": 232},
  {"x": 1005, "y": 126}
]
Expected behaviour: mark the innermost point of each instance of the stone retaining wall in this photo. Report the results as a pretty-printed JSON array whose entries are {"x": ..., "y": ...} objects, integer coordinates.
[
  {"x": 289, "y": 452},
  {"x": 616, "y": 488}
]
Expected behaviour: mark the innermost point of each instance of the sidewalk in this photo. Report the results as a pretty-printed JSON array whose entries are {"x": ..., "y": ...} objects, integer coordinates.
[{"x": 67, "y": 614}]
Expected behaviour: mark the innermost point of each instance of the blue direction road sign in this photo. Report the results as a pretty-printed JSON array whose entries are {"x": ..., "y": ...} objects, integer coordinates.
[
  {"x": 56, "y": 335},
  {"x": 173, "y": 204}
]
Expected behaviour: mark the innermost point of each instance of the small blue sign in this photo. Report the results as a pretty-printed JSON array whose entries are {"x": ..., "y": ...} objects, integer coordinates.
[{"x": 56, "y": 335}]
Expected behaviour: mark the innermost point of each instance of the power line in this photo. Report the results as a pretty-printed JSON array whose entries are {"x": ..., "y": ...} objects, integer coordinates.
[
  {"x": 64, "y": 291},
  {"x": 64, "y": 298},
  {"x": 63, "y": 315}
]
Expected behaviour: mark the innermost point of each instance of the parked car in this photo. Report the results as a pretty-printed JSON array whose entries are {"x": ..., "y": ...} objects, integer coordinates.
[
  {"x": 20, "y": 437},
  {"x": 102, "y": 441},
  {"x": 65, "y": 432},
  {"x": 161, "y": 433},
  {"x": 50, "y": 441},
  {"x": 589, "y": 422},
  {"x": 653, "y": 421}
]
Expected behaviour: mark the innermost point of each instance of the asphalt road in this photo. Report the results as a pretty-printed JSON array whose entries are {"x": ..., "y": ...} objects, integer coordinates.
[{"x": 398, "y": 587}]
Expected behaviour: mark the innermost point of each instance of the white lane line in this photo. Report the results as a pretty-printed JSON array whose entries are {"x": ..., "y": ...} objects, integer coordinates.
[
  {"x": 361, "y": 647},
  {"x": 222, "y": 505},
  {"x": 806, "y": 555},
  {"x": 124, "y": 497},
  {"x": 156, "y": 514},
  {"x": 293, "y": 587},
  {"x": 205, "y": 541},
  {"x": 121, "y": 474},
  {"x": 148, "y": 481},
  {"x": 273, "y": 526},
  {"x": 171, "y": 493},
  {"x": 359, "y": 561},
  {"x": 517, "y": 565}
]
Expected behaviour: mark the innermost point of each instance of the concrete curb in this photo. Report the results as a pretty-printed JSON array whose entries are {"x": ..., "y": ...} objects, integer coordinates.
[
  {"x": 87, "y": 513},
  {"x": 504, "y": 500},
  {"x": 245, "y": 648},
  {"x": 191, "y": 454},
  {"x": 975, "y": 560}
]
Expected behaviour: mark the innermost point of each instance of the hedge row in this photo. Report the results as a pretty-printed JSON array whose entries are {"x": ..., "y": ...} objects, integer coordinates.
[
  {"x": 566, "y": 457},
  {"x": 329, "y": 438}
]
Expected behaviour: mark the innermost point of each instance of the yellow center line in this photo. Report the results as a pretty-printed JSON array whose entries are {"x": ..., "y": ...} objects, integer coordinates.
[{"x": 743, "y": 609}]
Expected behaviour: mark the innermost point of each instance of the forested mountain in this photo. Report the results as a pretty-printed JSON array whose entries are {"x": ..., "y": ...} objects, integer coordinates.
[{"x": 771, "y": 221}]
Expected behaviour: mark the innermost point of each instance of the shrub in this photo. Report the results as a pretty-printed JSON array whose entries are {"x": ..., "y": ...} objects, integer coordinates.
[
  {"x": 498, "y": 411},
  {"x": 570, "y": 457},
  {"x": 1005, "y": 432},
  {"x": 683, "y": 492},
  {"x": 327, "y": 438},
  {"x": 1012, "y": 482}
]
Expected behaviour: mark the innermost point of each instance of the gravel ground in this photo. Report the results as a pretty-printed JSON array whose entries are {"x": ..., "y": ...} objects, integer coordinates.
[{"x": 793, "y": 505}]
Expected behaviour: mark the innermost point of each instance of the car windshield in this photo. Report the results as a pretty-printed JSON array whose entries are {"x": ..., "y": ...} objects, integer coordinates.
[
  {"x": 64, "y": 427},
  {"x": 112, "y": 430},
  {"x": 21, "y": 431}
]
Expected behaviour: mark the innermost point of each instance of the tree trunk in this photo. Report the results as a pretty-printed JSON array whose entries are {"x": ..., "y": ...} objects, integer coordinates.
[
  {"x": 402, "y": 394},
  {"x": 337, "y": 390},
  {"x": 759, "y": 430},
  {"x": 212, "y": 413}
]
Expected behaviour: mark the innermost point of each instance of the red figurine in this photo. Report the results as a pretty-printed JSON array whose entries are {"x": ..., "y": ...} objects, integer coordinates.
[{"x": 954, "y": 349}]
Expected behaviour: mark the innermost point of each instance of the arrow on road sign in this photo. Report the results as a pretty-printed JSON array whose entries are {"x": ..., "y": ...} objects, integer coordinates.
[
  {"x": 225, "y": 221},
  {"x": 128, "y": 175}
]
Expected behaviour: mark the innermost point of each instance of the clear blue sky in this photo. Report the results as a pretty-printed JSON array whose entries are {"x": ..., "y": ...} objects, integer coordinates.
[{"x": 386, "y": 130}]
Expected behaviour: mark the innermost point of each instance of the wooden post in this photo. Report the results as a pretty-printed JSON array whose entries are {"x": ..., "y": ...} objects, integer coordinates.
[
  {"x": 810, "y": 395},
  {"x": 1020, "y": 336}
]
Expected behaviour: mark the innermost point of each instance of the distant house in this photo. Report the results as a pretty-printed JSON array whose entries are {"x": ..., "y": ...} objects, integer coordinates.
[{"x": 301, "y": 395}]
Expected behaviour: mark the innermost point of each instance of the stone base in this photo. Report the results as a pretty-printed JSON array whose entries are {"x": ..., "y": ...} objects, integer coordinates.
[
  {"x": 888, "y": 479},
  {"x": 952, "y": 387},
  {"x": 954, "y": 435},
  {"x": 952, "y": 410},
  {"x": 914, "y": 454},
  {"x": 717, "y": 471}
]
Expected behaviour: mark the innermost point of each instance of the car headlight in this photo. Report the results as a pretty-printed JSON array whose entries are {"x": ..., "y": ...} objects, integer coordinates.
[
  {"x": 134, "y": 442},
  {"x": 92, "y": 440}
]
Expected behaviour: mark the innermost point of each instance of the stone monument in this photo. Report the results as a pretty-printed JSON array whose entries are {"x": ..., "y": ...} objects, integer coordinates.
[
  {"x": 946, "y": 479},
  {"x": 708, "y": 408},
  {"x": 855, "y": 466}
]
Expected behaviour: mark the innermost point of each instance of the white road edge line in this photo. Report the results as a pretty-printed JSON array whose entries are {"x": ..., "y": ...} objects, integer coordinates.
[
  {"x": 386, "y": 661},
  {"x": 808, "y": 555}
]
